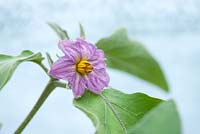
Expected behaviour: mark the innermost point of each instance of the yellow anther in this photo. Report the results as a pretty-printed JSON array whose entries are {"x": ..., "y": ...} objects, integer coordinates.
[{"x": 84, "y": 67}]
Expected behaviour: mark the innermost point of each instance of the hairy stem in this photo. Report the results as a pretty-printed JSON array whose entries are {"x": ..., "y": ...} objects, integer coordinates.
[{"x": 52, "y": 84}]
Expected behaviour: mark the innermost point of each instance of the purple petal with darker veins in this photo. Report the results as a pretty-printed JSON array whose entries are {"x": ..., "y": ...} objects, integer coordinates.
[
  {"x": 71, "y": 49},
  {"x": 98, "y": 64},
  {"x": 63, "y": 43},
  {"x": 61, "y": 68},
  {"x": 98, "y": 55},
  {"x": 98, "y": 60},
  {"x": 97, "y": 80},
  {"x": 77, "y": 84},
  {"x": 87, "y": 49}
]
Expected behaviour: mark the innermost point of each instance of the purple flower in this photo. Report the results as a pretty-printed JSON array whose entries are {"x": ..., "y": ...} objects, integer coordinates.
[{"x": 83, "y": 66}]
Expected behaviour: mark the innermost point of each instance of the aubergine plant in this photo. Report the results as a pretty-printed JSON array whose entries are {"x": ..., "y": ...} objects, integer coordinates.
[{"x": 83, "y": 68}]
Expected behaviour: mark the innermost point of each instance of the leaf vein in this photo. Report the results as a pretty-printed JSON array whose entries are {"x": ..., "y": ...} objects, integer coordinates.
[{"x": 114, "y": 112}]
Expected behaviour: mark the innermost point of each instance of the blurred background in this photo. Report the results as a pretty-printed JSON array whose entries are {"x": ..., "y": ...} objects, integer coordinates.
[{"x": 169, "y": 29}]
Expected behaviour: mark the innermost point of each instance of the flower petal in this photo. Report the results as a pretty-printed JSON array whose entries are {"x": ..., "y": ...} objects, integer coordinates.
[
  {"x": 62, "y": 68},
  {"x": 63, "y": 43},
  {"x": 98, "y": 55},
  {"x": 98, "y": 60},
  {"x": 70, "y": 49},
  {"x": 77, "y": 84},
  {"x": 87, "y": 49},
  {"x": 98, "y": 64},
  {"x": 97, "y": 80}
]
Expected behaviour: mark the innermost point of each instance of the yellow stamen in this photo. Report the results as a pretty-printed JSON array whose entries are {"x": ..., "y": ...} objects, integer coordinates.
[{"x": 84, "y": 67}]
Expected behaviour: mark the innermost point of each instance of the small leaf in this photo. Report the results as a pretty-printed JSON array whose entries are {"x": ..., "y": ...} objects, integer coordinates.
[
  {"x": 50, "y": 61},
  {"x": 8, "y": 64},
  {"x": 163, "y": 119},
  {"x": 62, "y": 34},
  {"x": 131, "y": 57},
  {"x": 114, "y": 112},
  {"x": 82, "y": 32}
]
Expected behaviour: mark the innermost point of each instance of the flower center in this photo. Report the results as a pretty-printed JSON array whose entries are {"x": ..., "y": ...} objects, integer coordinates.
[{"x": 84, "y": 67}]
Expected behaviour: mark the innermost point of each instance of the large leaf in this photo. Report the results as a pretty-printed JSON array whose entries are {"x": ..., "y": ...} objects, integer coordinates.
[
  {"x": 131, "y": 57},
  {"x": 163, "y": 119},
  {"x": 9, "y": 63},
  {"x": 114, "y": 112}
]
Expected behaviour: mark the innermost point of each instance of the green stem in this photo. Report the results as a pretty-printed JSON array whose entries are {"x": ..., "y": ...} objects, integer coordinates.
[{"x": 48, "y": 89}]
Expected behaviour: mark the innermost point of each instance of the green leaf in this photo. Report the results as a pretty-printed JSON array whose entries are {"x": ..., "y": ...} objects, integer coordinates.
[
  {"x": 8, "y": 64},
  {"x": 114, "y": 112},
  {"x": 50, "y": 60},
  {"x": 131, "y": 56},
  {"x": 163, "y": 119},
  {"x": 82, "y": 32},
  {"x": 62, "y": 34}
]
